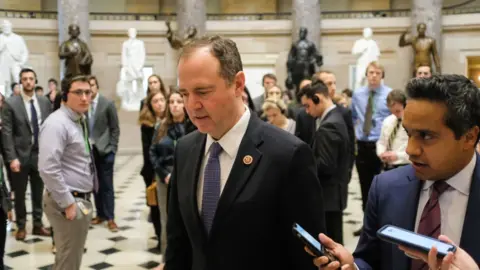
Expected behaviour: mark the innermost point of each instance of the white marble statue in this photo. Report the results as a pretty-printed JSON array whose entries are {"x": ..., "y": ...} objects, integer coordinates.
[
  {"x": 13, "y": 56},
  {"x": 367, "y": 51},
  {"x": 130, "y": 86}
]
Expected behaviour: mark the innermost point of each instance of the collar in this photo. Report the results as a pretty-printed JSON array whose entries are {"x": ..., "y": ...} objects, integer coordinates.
[
  {"x": 27, "y": 98},
  {"x": 230, "y": 142},
  {"x": 95, "y": 100},
  {"x": 71, "y": 114},
  {"x": 460, "y": 181},
  {"x": 327, "y": 111}
]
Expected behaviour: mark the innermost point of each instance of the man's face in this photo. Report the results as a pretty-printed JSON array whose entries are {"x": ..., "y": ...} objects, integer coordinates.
[
  {"x": 39, "y": 92},
  {"x": 94, "y": 88},
  {"x": 274, "y": 92},
  {"x": 432, "y": 147},
  {"x": 424, "y": 72},
  {"x": 330, "y": 81},
  {"x": 374, "y": 76},
  {"x": 27, "y": 80},
  {"x": 315, "y": 110},
  {"x": 211, "y": 102},
  {"x": 268, "y": 82},
  {"x": 154, "y": 83},
  {"x": 79, "y": 97},
  {"x": 396, "y": 109}
]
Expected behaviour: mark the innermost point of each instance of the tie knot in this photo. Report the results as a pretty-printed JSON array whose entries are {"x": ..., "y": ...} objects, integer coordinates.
[
  {"x": 31, "y": 100},
  {"x": 440, "y": 186},
  {"x": 215, "y": 150}
]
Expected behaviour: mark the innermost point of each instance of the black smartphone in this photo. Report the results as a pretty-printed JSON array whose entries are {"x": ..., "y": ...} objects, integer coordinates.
[
  {"x": 313, "y": 244},
  {"x": 418, "y": 242}
]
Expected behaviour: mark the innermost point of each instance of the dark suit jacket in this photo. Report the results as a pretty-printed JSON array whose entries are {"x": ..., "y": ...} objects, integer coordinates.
[
  {"x": 329, "y": 147},
  {"x": 252, "y": 228},
  {"x": 305, "y": 127},
  {"x": 393, "y": 199},
  {"x": 347, "y": 117},
  {"x": 17, "y": 131},
  {"x": 106, "y": 131}
]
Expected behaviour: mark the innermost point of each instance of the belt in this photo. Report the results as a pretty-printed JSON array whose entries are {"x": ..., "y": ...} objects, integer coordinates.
[{"x": 81, "y": 195}]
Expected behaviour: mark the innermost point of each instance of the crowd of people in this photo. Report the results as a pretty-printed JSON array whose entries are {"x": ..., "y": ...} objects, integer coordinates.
[{"x": 226, "y": 176}]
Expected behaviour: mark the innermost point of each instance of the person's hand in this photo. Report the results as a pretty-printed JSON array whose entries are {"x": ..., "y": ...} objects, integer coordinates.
[
  {"x": 167, "y": 179},
  {"x": 15, "y": 165},
  {"x": 345, "y": 258},
  {"x": 10, "y": 216},
  {"x": 71, "y": 211},
  {"x": 459, "y": 260}
]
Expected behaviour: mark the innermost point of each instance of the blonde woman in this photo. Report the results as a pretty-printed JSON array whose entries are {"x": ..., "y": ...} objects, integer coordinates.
[{"x": 275, "y": 111}]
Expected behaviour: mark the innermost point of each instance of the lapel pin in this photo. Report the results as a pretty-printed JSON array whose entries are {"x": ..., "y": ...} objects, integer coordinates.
[{"x": 247, "y": 160}]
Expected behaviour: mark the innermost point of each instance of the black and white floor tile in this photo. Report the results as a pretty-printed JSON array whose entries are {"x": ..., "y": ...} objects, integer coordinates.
[{"x": 132, "y": 248}]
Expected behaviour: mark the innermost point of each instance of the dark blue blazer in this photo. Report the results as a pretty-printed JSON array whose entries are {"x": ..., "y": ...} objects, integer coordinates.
[{"x": 393, "y": 199}]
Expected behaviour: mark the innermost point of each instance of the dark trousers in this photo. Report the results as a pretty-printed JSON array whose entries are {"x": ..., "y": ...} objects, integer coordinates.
[
  {"x": 334, "y": 225},
  {"x": 19, "y": 183},
  {"x": 3, "y": 236},
  {"x": 105, "y": 198},
  {"x": 368, "y": 165}
]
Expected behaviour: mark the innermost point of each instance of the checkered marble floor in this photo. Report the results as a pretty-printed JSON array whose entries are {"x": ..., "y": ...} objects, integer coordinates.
[{"x": 132, "y": 247}]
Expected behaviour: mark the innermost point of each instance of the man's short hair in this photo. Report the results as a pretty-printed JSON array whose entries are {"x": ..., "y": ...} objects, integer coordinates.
[
  {"x": 269, "y": 76},
  {"x": 319, "y": 74},
  {"x": 316, "y": 87},
  {"x": 397, "y": 96},
  {"x": 38, "y": 88},
  {"x": 348, "y": 92},
  {"x": 460, "y": 95},
  {"x": 67, "y": 83},
  {"x": 26, "y": 70},
  {"x": 377, "y": 65},
  {"x": 429, "y": 68},
  {"x": 223, "y": 49},
  {"x": 52, "y": 80},
  {"x": 93, "y": 77}
]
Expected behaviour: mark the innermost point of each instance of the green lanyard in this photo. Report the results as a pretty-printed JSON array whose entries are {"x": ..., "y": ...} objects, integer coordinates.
[{"x": 85, "y": 135}]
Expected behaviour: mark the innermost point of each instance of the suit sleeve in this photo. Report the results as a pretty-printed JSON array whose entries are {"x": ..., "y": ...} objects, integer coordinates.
[
  {"x": 368, "y": 248},
  {"x": 113, "y": 126},
  {"x": 327, "y": 146},
  {"x": 351, "y": 135},
  {"x": 7, "y": 133},
  {"x": 302, "y": 203},
  {"x": 159, "y": 157},
  {"x": 178, "y": 255}
]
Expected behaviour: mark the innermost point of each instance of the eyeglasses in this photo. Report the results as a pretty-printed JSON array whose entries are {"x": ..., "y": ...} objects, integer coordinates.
[{"x": 80, "y": 93}]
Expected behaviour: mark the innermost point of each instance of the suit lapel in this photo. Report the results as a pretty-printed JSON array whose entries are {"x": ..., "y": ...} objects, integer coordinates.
[
  {"x": 99, "y": 108},
  {"x": 406, "y": 206},
  {"x": 23, "y": 110},
  {"x": 470, "y": 236},
  {"x": 246, "y": 161}
]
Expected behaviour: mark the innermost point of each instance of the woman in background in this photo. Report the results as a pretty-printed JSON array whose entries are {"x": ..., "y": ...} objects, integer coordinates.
[
  {"x": 275, "y": 111},
  {"x": 152, "y": 114}
]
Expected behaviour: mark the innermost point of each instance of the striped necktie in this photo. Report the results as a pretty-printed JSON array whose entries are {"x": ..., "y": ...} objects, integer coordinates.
[
  {"x": 430, "y": 221},
  {"x": 393, "y": 135},
  {"x": 211, "y": 186},
  {"x": 368, "y": 122}
]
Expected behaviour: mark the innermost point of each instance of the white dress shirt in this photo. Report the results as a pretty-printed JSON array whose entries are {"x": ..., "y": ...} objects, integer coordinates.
[
  {"x": 318, "y": 121},
  {"x": 399, "y": 145},
  {"x": 26, "y": 102},
  {"x": 453, "y": 202},
  {"x": 230, "y": 143}
]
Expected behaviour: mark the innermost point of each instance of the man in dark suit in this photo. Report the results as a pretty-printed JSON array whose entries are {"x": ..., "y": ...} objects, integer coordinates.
[
  {"x": 21, "y": 118},
  {"x": 330, "y": 145},
  {"x": 305, "y": 123},
  {"x": 104, "y": 133},
  {"x": 439, "y": 193},
  {"x": 238, "y": 184}
]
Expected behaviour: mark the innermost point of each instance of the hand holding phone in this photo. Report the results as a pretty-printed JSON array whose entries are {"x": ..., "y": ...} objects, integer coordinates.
[{"x": 312, "y": 244}]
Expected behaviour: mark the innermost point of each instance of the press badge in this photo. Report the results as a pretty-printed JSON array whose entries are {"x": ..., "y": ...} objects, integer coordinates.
[{"x": 83, "y": 208}]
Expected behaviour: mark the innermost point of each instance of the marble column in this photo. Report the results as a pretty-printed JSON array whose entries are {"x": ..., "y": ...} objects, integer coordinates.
[
  {"x": 307, "y": 13},
  {"x": 430, "y": 13},
  {"x": 191, "y": 13},
  {"x": 72, "y": 12}
]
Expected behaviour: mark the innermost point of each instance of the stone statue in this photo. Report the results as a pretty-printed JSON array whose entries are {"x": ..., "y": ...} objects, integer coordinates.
[
  {"x": 78, "y": 59},
  {"x": 175, "y": 42},
  {"x": 424, "y": 48},
  {"x": 303, "y": 61},
  {"x": 130, "y": 87},
  {"x": 13, "y": 56},
  {"x": 367, "y": 51}
]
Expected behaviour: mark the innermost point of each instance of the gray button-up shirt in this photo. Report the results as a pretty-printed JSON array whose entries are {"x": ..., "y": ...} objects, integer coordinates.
[{"x": 64, "y": 163}]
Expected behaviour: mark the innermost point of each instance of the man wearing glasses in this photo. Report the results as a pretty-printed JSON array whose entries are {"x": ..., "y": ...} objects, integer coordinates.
[{"x": 67, "y": 169}]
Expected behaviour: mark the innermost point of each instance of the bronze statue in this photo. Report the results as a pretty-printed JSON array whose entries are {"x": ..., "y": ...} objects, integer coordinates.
[
  {"x": 424, "y": 47},
  {"x": 78, "y": 59},
  {"x": 302, "y": 61},
  {"x": 175, "y": 41}
]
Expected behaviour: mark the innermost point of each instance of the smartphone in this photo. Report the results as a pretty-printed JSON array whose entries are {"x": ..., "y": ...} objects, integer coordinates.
[
  {"x": 418, "y": 242},
  {"x": 313, "y": 244}
]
